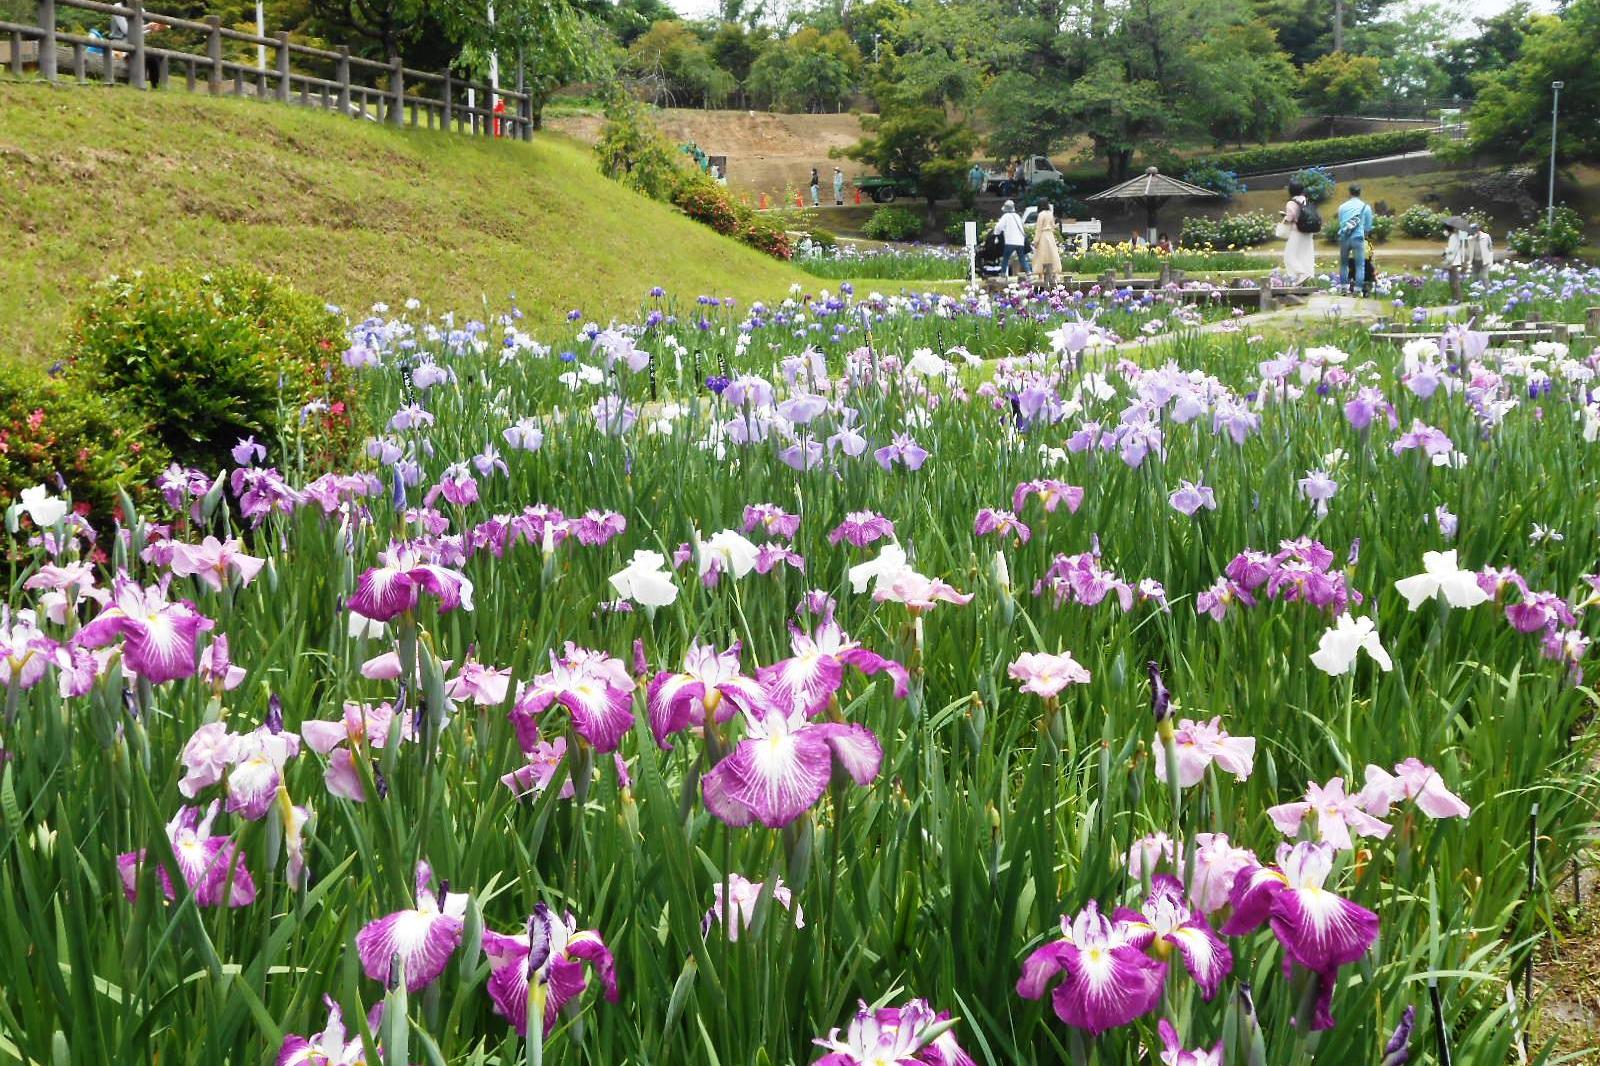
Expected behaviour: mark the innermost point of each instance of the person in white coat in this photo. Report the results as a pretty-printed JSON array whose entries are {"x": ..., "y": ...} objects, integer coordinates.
[
  {"x": 1478, "y": 253},
  {"x": 1299, "y": 247},
  {"x": 1014, "y": 238}
]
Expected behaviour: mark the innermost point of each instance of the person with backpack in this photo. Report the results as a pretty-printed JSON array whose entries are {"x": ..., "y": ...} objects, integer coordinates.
[
  {"x": 1299, "y": 228},
  {"x": 1013, "y": 239},
  {"x": 1355, "y": 224}
]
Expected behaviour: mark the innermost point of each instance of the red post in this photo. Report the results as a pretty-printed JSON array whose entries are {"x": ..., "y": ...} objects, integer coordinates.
[
  {"x": 763, "y": 201},
  {"x": 499, "y": 109},
  {"x": 858, "y": 197},
  {"x": 799, "y": 201}
]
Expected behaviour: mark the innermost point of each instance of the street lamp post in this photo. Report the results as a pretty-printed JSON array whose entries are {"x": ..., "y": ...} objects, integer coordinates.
[{"x": 1555, "y": 111}]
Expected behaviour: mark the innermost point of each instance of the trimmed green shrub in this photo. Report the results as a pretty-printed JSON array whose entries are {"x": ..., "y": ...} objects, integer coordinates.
[
  {"x": 1271, "y": 158},
  {"x": 207, "y": 358},
  {"x": 893, "y": 224},
  {"x": 707, "y": 202},
  {"x": 1230, "y": 231},
  {"x": 50, "y": 426},
  {"x": 1422, "y": 222},
  {"x": 1562, "y": 235},
  {"x": 1382, "y": 229},
  {"x": 1318, "y": 182},
  {"x": 765, "y": 234},
  {"x": 956, "y": 228}
]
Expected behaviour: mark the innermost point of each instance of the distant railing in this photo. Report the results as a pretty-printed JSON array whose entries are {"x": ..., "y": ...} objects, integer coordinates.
[{"x": 497, "y": 112}]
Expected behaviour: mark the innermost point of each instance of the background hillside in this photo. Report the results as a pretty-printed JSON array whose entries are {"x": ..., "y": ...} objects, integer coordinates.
[{"x": 94, "y": 182}]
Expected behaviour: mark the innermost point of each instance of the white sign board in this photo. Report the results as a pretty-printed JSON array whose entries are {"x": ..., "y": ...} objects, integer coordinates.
[
  {"x": 972, "y": 234},
  {"x": 1091, "y": 225}
]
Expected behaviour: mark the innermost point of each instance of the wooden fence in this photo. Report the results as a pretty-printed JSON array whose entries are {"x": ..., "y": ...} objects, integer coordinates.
[{"x": 311, "y": 77}]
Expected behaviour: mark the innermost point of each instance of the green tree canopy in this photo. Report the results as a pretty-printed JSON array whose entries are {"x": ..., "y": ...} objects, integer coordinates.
[
  {"x": 1512, "y": 115},
  {"x": 910, "y": 138}
]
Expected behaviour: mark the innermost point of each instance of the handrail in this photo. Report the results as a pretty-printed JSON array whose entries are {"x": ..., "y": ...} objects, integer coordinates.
[{"x": 508, "y": 111}]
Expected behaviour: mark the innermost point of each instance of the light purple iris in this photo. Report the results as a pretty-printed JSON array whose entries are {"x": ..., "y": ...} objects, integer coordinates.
[
  {"x": 391, "y": 589},
  {"x": 861, "y": 528},
  {"x": 743, "y": 895},
  {"x": 1001, "y": 524},
  {"x": 598, "y": 527},
  {"x": 783, "y": 765},
  {"x": 1169, "y": 920},
  {"x": 1107, "y": 979},
  {"x": 215, "y": 562},
  {"x": 804, "y": 455},
  {"x": 331, "y": 1047},
  {"x": 1051, "y": 493},
  {"x": 808, "y": 680},
  {"x": 1337, "y": 814},
  {"x": 912, "y": 1035},
  {"x": 25, "y": 652},
  {"x": 594, "y": 688},
  {"x": 158, "y": 635},
  {"x": 903, "y": 450},
  {"x": 1318, "y": 488},
  {"x": 210, "y": 864},
  {"x": 1173, "y": 1053},
  {"x": 1413, "y": 780},
  {"x": 710, "y": 688},
  {"x": 418, "y": 941},
  {"x": 1199, "y": 744},
  {"x": 771, "y": 519},
  {"x": 256, "y": 770},
  {"x": 1319, "y": 931},
  {"x": 802, "y": 409},
  {"x": 548, "y": 960},
  {"x": 248, "y": 452},
  {"x": 1190, "y": 497}
]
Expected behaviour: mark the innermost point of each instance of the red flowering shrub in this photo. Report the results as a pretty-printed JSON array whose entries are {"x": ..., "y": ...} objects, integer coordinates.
[{"x": 51, "y": 428}]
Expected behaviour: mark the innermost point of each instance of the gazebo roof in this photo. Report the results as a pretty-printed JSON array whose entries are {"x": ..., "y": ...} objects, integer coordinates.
[{"x": 1152, "y": 185}]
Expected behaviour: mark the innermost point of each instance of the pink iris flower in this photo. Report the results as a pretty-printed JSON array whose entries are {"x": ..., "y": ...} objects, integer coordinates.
[
  {"x": 1051, "y": 493},
  {"x": 1337, "y": 814},
  {"x": 1107, "y": 980},
  {"x": 387, "y": 591},
  {"x": 594, "y": 688},
  {"x": 1413, "y": 780},
  {"x": 334, "y": 1046},
  {"x": 1173, "y": 1053},
  {"x": 158, "y": 636},
  {"x": 419, "y": 940},
  {"x": 483, "y": 685},
  {"x": 1319, "y": 931},
  {"x": 815, "y": 672},
  {"x": 783, "y": 765},
  {"x": 1045, "y": 675},
  {"x": 362, "y": 728},
  {"x": 1170, "y": 920},
  {"x": 709, "y": 689},
  {"x": 744, "y": 894},
  {"x": 912, "y": 1035},
  {"x": 1199, "y": 744},
  {"x": 550, "y": 956},
  {"x": 210, "y": 864},
  {"x": 215, "y": 562}
]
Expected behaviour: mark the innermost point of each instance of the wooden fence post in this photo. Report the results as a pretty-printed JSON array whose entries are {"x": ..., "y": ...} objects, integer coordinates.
[
  {"x": 344, "y": 79},
  {"x": 136, "y": 38},
  {"x": 79, "y": 55},
  {"x": 1266, "y": 296},
  {"x": 16, "y": 53},
  {"x": 214, "y": 53},
  {"x": 397, "y": 93},
  {"x": 47, "y": 43},
  {"x": 449, "y": 112},
  {"x": 283, "y": 67},
  {"x": 1592, "y": 321}
]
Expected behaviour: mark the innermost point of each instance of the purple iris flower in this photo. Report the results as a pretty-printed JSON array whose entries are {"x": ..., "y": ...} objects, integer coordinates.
[
  {"x": 903, "y": 450},
  {"x": 419, "y": 940},
  {"x": 391, "y": 589},
  {"x": 1318, "y": 488},
  {"x": 594, "y": 688},
  {"x": 807, "y": 680},
  {"x": 210, "y": 864},
  {"x": 783, "y": 765},
  {"x": 1107, "y": 979},
  {"x": 1000, "y": 523},
  {"x": 1170, "y": 920},
  {"x": 709, "y": 689},
  {"x": 596, "y": 528},
  {"x": 913, "y": 1035},
  {"x": 545, "y": 965},
  {"x": 861, "y": 528},
  {"x": 1190, "y": 497},
  {"x": 771, "y": 519},
  {"x": 803, "y": 456},
  {"x": 1051, "y": 493},
  {"x": 802, "y": 409},
  {"x": 1319, "y": 931},
  {"x": 248, "y": 452},
  {"x": 158, "y": 636}
]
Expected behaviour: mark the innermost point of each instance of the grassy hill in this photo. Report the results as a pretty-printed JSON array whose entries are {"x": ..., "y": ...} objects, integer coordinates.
[{"x": 96, "y": 181}]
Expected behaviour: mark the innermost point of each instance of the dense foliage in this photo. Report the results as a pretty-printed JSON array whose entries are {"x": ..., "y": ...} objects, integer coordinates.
[
  {"x": 893, "y": 224},
  {"x": 662, "y": 700},
  {"x": 1230, "y": 231},
  {"x": 1324, "y": 152},
  {"x": 207, "y": 358},
  {"x": 1557, "y": 235}
]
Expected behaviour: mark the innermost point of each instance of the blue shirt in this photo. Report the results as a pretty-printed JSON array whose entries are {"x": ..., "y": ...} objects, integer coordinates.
[{"x": 1358, "y": 209}]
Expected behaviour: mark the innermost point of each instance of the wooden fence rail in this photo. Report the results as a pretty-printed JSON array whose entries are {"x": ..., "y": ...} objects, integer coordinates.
[{"x": 362, "y": 88}]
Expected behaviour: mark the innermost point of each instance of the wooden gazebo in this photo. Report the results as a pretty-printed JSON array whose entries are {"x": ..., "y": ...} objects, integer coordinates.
[{"x": 1153, "y": 189}]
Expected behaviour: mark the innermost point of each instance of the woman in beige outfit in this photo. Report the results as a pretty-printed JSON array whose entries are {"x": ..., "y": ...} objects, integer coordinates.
[{"x": 1046, "y": 254}]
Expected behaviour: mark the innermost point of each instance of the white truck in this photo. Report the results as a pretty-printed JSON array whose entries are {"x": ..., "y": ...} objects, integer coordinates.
[{"x": 1021, "y": 176}]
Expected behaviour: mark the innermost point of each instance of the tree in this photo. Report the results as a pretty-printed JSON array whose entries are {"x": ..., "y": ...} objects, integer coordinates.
[
  {"x": 1339, "y": 83},
  {"x": 673, "y": 62},
  {"x": 1511, "y": 118},
  {"x": 1304, "y": 28},
  {"x": 1497, "y": 46},
  {"x": 809, "y": 71},
  {"x": 543, "y": 44},
  {"x": 912, "y": 139},
  {"x": 1243, "y": 85}
]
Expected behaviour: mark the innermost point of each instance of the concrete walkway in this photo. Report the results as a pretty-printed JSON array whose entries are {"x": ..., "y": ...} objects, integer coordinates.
[{"x": 1318, "y": 310}]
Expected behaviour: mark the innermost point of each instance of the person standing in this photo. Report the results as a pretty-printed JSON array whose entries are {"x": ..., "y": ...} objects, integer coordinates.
[
  {"x": 1478, "y": 253},
  {"x": 1013, "y": 238},
  {"x": 976, "y": 177},
  {"x": 1455, "y": 244},
  {"x": 816, "y": 188},
  {"x": 1299, "y": 245},
  {"x": 838, "y": 187},
  {"x": 1046, "y": 253},
  {"x": 1355, "y": 224}
]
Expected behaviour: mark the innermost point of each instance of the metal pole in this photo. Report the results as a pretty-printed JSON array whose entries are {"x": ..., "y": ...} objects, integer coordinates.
[
  {"x": 261, "y": 31},
  {"x": 1555, "y": 111}
]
